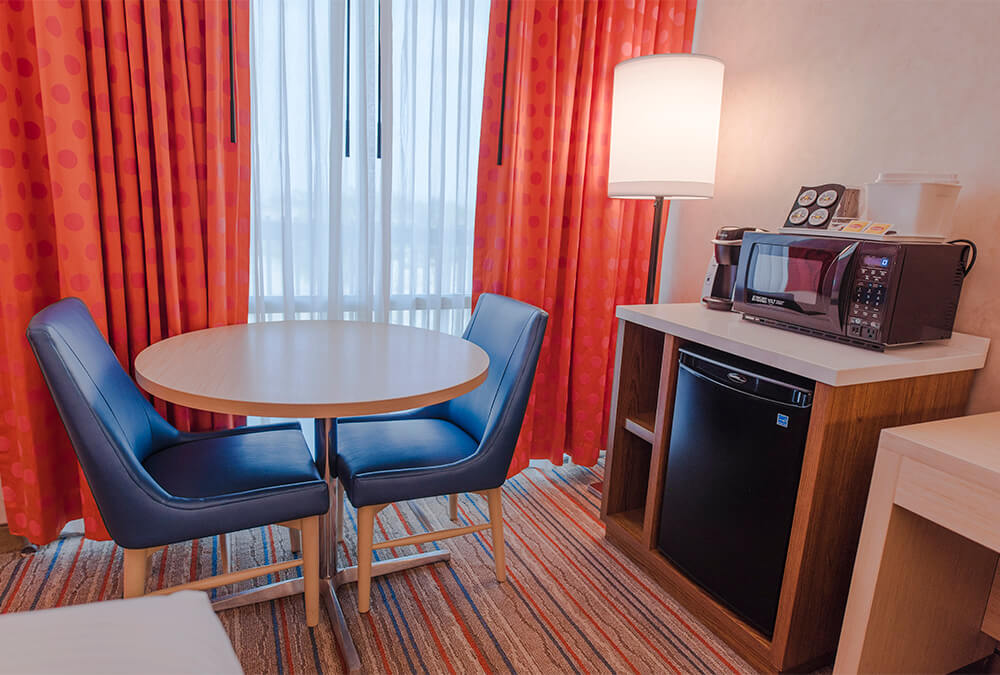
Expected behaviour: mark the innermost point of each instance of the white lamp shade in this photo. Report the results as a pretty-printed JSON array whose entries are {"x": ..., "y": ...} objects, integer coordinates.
[{"x": 665, "y": 126}]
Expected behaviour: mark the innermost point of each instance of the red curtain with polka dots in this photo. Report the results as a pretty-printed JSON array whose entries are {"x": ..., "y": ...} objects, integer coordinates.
[
  {"x": 546, "y": 231},
  {"x": 119, "y": 184}
]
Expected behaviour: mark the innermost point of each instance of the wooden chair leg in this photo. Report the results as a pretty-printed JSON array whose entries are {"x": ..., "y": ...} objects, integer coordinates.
[
  {"x": 295, "y": 540},
  {"x": 225, "y": 558},
  {"x": 366, "y": 530},
  {"x": 340, "y": 513},
  {"x": 453, "y": 508},
  {"x": 310, "y": 568},
  {"x": 493, "y": 498},
  {"x": 135, "y": 572}
]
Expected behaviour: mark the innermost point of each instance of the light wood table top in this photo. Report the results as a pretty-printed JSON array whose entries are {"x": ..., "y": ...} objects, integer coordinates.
[{"x": 318, "y": 369}]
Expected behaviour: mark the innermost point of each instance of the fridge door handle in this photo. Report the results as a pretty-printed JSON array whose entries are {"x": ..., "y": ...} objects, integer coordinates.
[
  {"x": 693, "y": 358},
  {"x": 801, "y": 399}
]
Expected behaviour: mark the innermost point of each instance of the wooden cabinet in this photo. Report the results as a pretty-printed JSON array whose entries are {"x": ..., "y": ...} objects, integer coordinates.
[{"x": 833, "y": 487}]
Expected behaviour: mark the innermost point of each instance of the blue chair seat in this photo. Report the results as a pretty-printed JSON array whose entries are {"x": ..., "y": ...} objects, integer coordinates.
[
  {"x": 380, "y": 458},
  {"x": 241, "y": 460}
]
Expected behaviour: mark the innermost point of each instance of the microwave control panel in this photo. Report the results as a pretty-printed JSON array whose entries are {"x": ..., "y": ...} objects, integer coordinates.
[{"x": 868, "y": 300}]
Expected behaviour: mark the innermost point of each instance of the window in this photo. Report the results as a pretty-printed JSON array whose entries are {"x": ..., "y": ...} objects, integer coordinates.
[{"x": 364, "y": 168}]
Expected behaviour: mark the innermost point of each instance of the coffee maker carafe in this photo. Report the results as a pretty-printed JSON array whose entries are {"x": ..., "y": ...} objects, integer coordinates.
[{"x": 721, "y": 276}]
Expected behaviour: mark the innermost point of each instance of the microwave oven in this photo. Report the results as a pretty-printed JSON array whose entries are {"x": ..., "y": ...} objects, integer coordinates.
[{"x": 872, "y": 294}]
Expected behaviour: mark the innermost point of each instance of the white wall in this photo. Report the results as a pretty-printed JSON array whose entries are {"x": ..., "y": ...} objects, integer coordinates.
[{"x": 821, "y": 91}]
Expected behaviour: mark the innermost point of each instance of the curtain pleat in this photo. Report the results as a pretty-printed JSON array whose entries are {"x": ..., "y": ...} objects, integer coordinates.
[
  {"x": 118, "y": 185},
  {"x": 546, "y": 231}
]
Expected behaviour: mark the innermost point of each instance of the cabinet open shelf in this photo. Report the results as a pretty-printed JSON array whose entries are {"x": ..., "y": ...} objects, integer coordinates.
[
  {"x": 641, "y": 424},
  {"x": 637, "y": 397},
  {"x": 630, "y": 521}
]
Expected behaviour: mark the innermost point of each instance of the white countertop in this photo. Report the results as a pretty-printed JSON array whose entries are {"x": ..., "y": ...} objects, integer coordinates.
[
  {"x": 968, "y": 447},
  {"x": 821, "y": 360}
]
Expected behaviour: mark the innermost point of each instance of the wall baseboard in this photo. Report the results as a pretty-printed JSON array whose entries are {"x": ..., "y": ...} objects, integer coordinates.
[{"x": 11, "y": 543}]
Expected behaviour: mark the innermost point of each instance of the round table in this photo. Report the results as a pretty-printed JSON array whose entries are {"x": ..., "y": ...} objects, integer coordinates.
[{"x": 318, "y": 369}]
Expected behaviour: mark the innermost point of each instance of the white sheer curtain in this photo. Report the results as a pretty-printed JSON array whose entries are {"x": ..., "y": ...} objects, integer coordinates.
[{"x": 363, "y": 204}]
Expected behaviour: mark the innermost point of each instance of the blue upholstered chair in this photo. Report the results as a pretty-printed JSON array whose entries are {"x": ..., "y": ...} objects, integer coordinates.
[
  {"x": 462, "y": 445},
  {"x": 155, "y": 485}
]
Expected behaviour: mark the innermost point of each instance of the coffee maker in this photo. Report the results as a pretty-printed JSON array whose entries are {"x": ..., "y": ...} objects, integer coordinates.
[{"x": 721, "y": 275}]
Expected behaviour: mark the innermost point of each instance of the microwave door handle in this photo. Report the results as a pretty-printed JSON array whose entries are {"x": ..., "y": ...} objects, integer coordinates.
[
  {"x": 839, "y": 266},
  {"x": 836, "y": 272}
]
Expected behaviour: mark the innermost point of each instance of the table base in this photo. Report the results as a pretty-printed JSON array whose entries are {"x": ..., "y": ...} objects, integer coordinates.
[
  {"x": 328, "y": 592},
  {"x": 332, "y": 577}
]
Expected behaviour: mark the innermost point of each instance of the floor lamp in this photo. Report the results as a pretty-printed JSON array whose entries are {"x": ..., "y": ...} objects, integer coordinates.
[
  {"x": 664, "y": 134},
  {"x": 665, "y": 112}
]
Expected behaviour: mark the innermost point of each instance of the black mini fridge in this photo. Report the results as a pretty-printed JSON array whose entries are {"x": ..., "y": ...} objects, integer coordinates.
[{"x": 736, "y": 446}]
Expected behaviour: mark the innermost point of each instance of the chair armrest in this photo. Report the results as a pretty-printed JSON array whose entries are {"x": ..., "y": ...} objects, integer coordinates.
[
  {"x": 436, "y": 411},
  {"x": 187, "y": 436}
]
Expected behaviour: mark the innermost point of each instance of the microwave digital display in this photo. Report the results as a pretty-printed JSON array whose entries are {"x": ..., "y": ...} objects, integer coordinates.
[
  {"x": 787, "y": 271},
  {"x": 875, "y": 261}
]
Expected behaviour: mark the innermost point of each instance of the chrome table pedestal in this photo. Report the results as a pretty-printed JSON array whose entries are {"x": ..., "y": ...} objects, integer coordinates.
[{"x": 332, "y": 576}]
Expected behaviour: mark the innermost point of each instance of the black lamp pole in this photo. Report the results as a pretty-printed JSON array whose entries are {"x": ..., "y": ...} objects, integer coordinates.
[
  {"x": 597, "y": 487},
  {"x": 654, "y": 251}
]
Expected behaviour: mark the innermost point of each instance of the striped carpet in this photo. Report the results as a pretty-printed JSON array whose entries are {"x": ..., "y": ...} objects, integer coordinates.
[{"x": 573, "y": 603}]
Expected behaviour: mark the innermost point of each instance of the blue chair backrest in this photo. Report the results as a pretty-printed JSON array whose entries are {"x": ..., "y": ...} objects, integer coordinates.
[
  {"x": 112, "y": 426},
  {"x": 511, "y": 333}
]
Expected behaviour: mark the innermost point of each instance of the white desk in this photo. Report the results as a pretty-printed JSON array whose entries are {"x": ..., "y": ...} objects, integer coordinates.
[{"x": 920, "y": 598}]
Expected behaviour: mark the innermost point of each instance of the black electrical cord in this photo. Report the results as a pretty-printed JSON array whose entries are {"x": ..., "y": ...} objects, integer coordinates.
[{"x": 972, "y": 259}]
